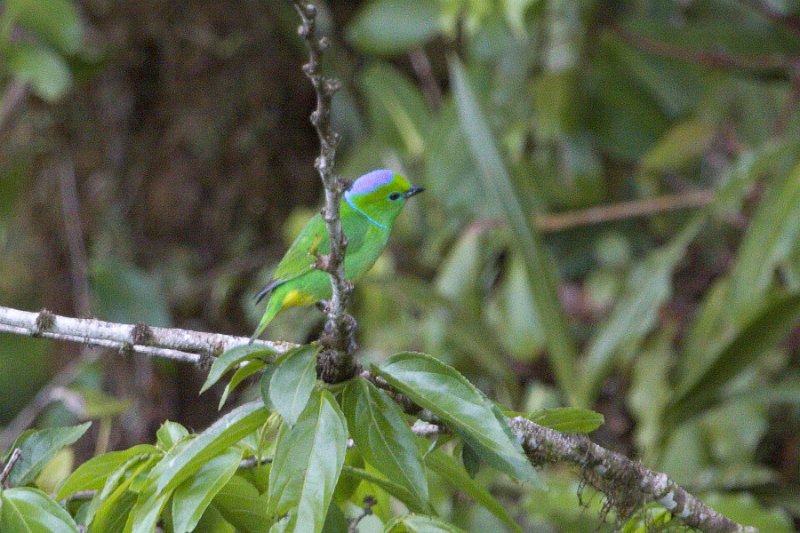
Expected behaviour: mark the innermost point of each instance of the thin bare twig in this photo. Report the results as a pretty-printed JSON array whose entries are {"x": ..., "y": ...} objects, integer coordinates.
[
  {"x": 15, "y": 93},
  {"x": 336, "y": 362},
  {"x": 702, "y": 57},
  {"x": 16, "y": 455},
  {"x": 552, "y": 223},
  {"x": 79, "y": 263},
  {"x": 422, "y": 68}
]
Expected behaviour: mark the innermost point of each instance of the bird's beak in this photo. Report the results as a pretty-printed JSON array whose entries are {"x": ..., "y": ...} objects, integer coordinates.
[{"x": 414, "y": 190}]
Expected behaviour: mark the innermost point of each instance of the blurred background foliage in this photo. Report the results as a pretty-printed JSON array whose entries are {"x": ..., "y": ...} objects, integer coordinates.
[{"x": 611, "y": 217}]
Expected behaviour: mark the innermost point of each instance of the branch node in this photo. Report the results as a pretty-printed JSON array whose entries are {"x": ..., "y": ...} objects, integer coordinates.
[
  {"x": 45, "y": 321},
  {"x": 205, "y": 361},
  {"x": 127, "y": 348},
  {"x": 141, "y": 334}
]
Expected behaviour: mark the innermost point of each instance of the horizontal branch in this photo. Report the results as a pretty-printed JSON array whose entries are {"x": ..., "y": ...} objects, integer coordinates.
[
  {"x": 626, "y": 483},
  {"x": 554, "y": 222},
  {"x": 169, "y": 343}
]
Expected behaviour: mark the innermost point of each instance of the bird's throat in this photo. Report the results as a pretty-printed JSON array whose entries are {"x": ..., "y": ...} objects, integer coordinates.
[{"x": 362, "y": 213}]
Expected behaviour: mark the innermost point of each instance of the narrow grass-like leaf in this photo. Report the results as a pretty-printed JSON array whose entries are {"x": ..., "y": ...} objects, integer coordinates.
[
  {"x": 770, "y": 238},
  {"x": 308, "y": 460},
  {"x": 193, "y": 496},
  {"x": 568, "y": 419},
  {"x": 452, "y": 472},
  {"x": 764, "y": 332},
  {"x": 446, "y": 393},
  {"x": 647, "y": 289},
  {"x": 383, "y": 438},
  {"x": 499, "y": 188},
  {"x": 233, "y": 357},
  {"x": 38, "y": 447},
  {"x": 37, "y": 510},
  {"x": 293, "y": 381}
]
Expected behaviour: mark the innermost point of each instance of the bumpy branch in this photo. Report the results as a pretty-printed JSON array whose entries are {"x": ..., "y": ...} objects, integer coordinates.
[
  {"x": 177, "y": 344},
  {"x": 627, "y": 483},
  {"x": 336, "y": 361}
]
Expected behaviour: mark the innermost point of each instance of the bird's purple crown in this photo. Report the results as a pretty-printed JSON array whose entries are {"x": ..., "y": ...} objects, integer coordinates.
[{"x": 371, "y": 181}]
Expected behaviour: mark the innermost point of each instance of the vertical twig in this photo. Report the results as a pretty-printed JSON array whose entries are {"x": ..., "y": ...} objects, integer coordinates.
[
  {"x": 15, "y": 93},
  {"x": 424, "y": 71},
  {"x": 16, "y": 455},
  {"x": 336, "y": 360},
  {"x": 74, "y": 237}
]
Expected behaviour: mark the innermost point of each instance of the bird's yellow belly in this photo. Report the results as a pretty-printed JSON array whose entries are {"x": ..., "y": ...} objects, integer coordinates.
[{"x": 296, "y": 297}]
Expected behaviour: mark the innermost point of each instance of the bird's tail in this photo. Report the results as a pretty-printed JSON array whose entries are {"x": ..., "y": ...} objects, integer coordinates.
[{"x": 269, "y": 314}]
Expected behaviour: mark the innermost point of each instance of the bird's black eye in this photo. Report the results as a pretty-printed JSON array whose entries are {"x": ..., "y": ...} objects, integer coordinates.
[{"x": 394, "y": 196}]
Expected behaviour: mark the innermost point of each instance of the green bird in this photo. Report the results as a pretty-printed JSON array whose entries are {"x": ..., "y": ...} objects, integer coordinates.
[{"x": 368, "y": 211}]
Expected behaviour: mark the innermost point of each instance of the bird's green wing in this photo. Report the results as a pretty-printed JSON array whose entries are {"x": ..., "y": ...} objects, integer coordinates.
[{"x": 301, "y": 256}]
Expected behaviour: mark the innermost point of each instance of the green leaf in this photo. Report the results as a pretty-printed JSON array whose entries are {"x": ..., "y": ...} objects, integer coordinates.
[
  {"x": 180, "y": 463},
  {"x": 241, "y": 374},
  {"x": 293, "y": 381},
  {"x": 144, "y": 515},
  {"x": 417, "y": 523},
  {"x": 55, "y": 21},
  {"x": 36, "y": 510},
  {"x": 10, "y": 517},
  {"x": 38, "y": 447},
  {"x": 241, "y": 505},
  {"x": 448, "y": 467},
  {"x": 439, "y": 388},
  {"x": 193, "y": 496},
  {"x": 92, "y": 474},
  {"x": 390, "y": 487},
  {"x": 308, "y": 460},
  {"x": 568, "y": 419},
  {"x": 501, "y": 191},
  {"x": 212, "y": 521},
  {"x": 394, "y": 26},
  {"x": 383, "y": 438},
  {"x": 169, "y": 434},
  {"x": 233, "y": 357},
  {"x": 703, "y": 391},
  {"x": 45, "y": 70},
  {"x": 109, "y": 509}
]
